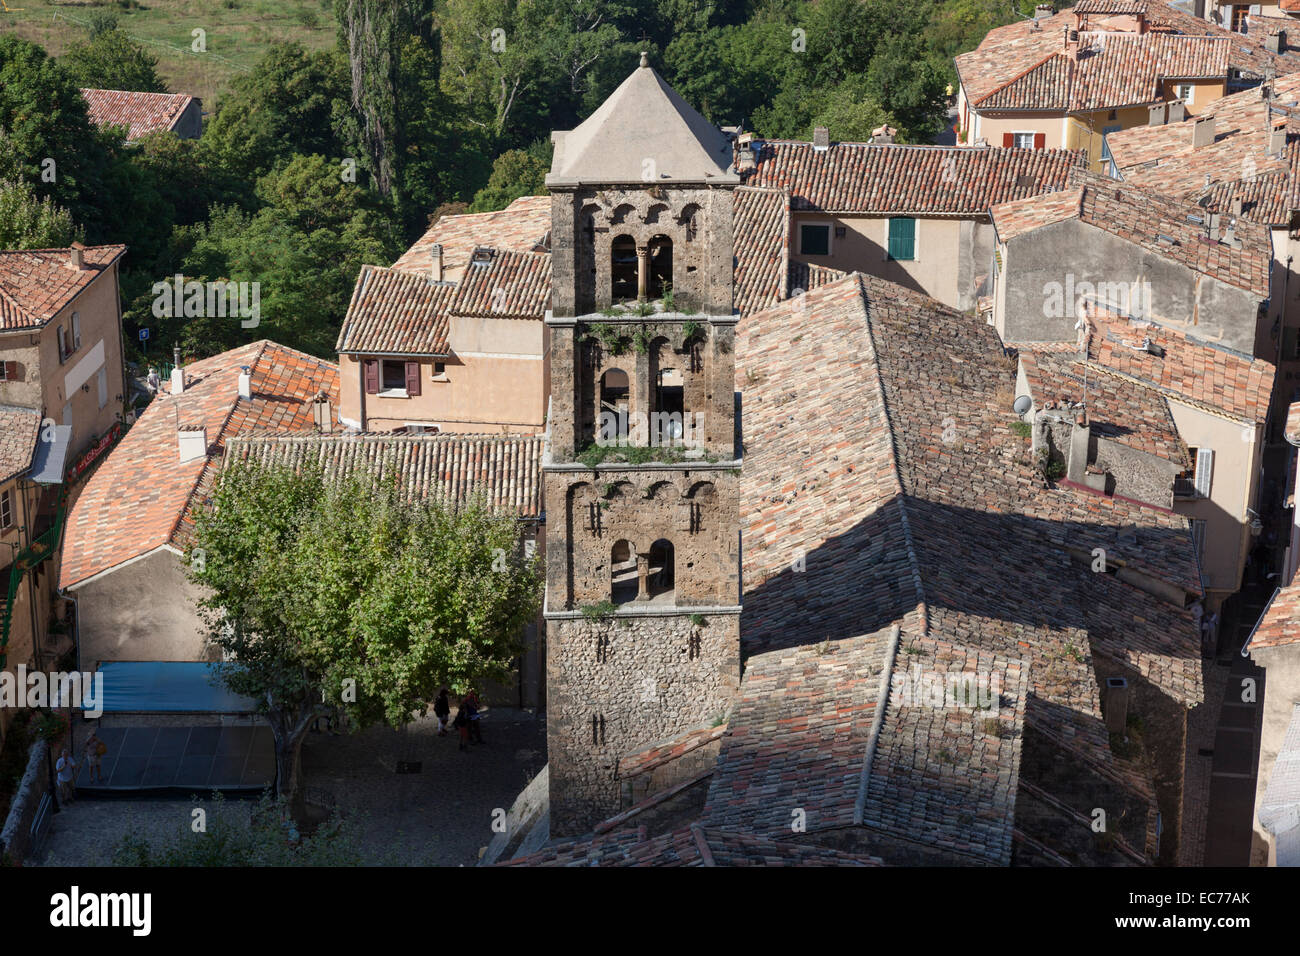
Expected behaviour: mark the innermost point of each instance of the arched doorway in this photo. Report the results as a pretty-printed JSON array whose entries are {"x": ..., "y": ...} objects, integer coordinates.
[
  {"x": 622, "y": 268},
  {"x": 660, "y": 587},
  {"x": 624, "y": 583},
  {"x": 660, "y": 277}
]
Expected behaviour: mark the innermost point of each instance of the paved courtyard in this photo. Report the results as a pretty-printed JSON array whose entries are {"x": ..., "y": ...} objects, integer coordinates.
[{"x": 441, "y": 816}]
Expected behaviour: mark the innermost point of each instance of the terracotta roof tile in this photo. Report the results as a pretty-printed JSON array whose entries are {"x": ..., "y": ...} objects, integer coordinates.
[
  {"x": 140, "y": 113},
  {"x": 523, "y": 226},
  {"x": 1280, "y": 623},
  {"x": 36, "y": 284},
  {"x": 1118, "y": 409},
  {"x": 761, "y": 247},
  {"x": 140, "y": 497},
  {"x": 1153, "y": 222},
  {"x": 510, "y": 285},
  {"x": 504, "y": 469},
  {"x": 866, "y": 179},
  {"x": 1189, "y": 370},
  {"x": 396, "y": 312}
]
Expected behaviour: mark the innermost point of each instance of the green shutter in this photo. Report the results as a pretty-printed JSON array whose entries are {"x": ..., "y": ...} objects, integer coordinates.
[{"x": 902, "y": 238}]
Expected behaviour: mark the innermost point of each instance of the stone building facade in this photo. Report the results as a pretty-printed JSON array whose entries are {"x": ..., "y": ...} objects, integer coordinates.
[{"x": 641, "y": 475}]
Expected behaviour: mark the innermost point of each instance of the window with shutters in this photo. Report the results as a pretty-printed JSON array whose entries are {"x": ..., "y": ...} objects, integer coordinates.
[
  {"x": 102, "y": 382},
  {"x": 6, "y": 510},
  {"x": 1023, "y": 140},
  {"x": 4, "y": 371},
  {"x": 1196, "y": 481},
  {"x": 61, "y": 337},
  {"x": 1184, "y": 92},
  {"x": 814, "y": 239},
  {"x": 397, "y": 378},
  {"x": 902, "y": 239},
  {"x": 76, "y": 331}
]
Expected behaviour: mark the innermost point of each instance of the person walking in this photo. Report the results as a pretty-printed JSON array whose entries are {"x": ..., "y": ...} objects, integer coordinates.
[
  {"x": 442, "y": 709},
  {"x": 461, "y": 723},
  {"x": 475, "y": 717},
  {"x": 95, "y": 750},
  {"x": 67, "y": 773}
]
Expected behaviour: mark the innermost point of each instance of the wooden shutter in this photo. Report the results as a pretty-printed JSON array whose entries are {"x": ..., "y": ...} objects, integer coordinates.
[
  {"x": 76, "y": 331},
  {"x": 412, "y": 378},
  {"x": 1204, "y": 471},
  {"x": 1008, "y": 140},
  {"x": 62, "y": 339},
  {"x": 902, "y": 238},
  {"x": 1040, "y": 140},
  {"x": 372, "y": 376}
]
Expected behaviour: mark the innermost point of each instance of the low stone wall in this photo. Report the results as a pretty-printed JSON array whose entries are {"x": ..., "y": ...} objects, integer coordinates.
[{"x": 16, "y": 835}]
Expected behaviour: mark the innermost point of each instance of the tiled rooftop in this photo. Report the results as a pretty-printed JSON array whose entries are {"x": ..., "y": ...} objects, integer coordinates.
[
  {"x": 761, "y": 247},
  {"x": 140, "y": 498},
  {"x": 1280, "y": 623},
  {"x": 1153, "y": 222},
  {"x": 505, "y": 470},
  {"x": 511, "y": 285},
  {"x": 865, "y": 179},
  {"x": 140, "y": 113},
  {"x": 36, "y": 284},
  {"x": 1024, "y": 65},
  {"x": 19, "y": 428},
  {"x": 1237, "y": 164},
  {"x": 1192, "y": 371},
  {"x": 891, "y": 524},
  {"x": 1118, "y": 409},
  {"x": 523, "y": 226},
  {"x": 396, "y": 312}
]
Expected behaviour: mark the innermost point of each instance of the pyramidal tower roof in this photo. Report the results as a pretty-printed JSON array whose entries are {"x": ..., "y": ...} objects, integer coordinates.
[{"x": 644, "y": 133}]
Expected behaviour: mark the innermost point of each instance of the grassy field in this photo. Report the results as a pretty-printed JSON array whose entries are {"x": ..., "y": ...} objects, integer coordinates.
[{"x": 238, "y": 32}]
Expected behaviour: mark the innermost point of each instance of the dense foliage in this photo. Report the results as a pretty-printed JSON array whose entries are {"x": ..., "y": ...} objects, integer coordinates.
[
  {"x": 330, "y": 596},
  {"x": 422, "y": 107}
]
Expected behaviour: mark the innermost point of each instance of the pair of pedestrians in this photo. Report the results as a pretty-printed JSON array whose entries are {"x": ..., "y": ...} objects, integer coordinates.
[
  {"x": 66, "y": 767},
  {"x": 468, "y": 722}
]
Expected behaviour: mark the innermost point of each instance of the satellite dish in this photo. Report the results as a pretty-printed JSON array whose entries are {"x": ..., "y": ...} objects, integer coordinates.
[{"x": 1022, "y": 404}]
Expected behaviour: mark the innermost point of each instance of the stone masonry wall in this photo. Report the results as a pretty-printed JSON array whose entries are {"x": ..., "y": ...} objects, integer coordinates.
[{"x": 619, "y": 684}]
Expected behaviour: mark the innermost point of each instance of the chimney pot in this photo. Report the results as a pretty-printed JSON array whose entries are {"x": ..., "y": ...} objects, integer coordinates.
[
  {"x": 1043, "y": 11},
  {"x": 1177, "y": 112},
  {"x": 1202, "y": 131},
  {"x": 191, "y": 442},
  {"x": 821, "y": 139},
  {"x": 883, "y": 134},
  {"x": 1156, "y": 115},
  {"x": 1277, "y": 138},
  {"x": 245, "y": 382},
  {"x": 435, "y": 255},
  {"x": 77, "y": 256}
]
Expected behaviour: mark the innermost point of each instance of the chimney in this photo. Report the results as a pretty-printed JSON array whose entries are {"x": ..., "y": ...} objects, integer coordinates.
[
  {"x": 435, "y": 255},
  {"x": 1156, "y": 114},
  {"x": 322, "y": 413},
  {"x": 883, "y": 134},
  {"x": 1275, "y": 42},
  {"x": 745, "y": 157},
  {"x": 1177, "y": 111},
  {"x": 821, "y": 139},
  {"x": 1079, "y": 440},
  {"x": 1072, "y": 42},
  {"x": 178, "y": 373},
  {"x": 1115, "y": 704},
  {"x": 1202, "y": 131},
  {"x": 1043, "y": 11},
  {"x": 245, "y": 382},
  {"x": 1213, "y": 224},
  {"x": 1277, "y": 137},
  {"x": 1236, "y": 206},
  {"x": 77, "y": 257},
  {"x": 191, "y": 442}
]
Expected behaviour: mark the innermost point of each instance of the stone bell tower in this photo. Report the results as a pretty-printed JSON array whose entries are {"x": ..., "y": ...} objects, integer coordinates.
[{"x": 642, "y": 475}]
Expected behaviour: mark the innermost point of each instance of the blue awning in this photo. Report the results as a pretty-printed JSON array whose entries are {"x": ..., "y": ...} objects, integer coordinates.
[
  {"x": 169, "y": 687},
  {"x": 48, "y": 463}
]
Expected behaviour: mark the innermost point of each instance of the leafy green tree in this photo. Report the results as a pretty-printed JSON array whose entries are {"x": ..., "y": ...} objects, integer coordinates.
[
  {"x": 30, "y": 222},
  {"x": 349, "y": 592},
  {"x": 515, "y": 173},
  {"x": 268, "y": 839},
  {"x": 111, "y": 60},
  {"x": 288, "y": 104}
]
